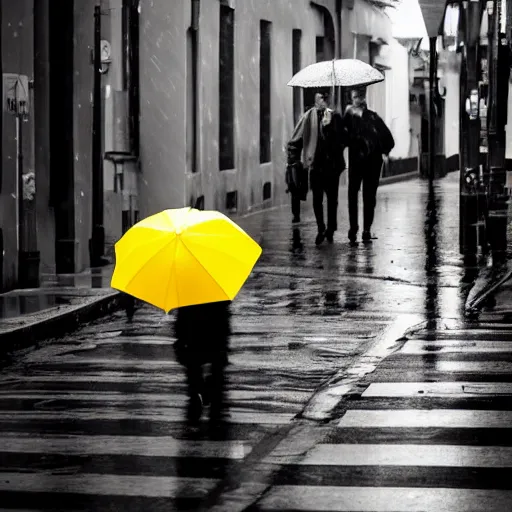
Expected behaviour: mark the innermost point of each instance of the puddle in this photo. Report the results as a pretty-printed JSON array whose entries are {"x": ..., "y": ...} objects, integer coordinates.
[{"x": 17, "y": 305}]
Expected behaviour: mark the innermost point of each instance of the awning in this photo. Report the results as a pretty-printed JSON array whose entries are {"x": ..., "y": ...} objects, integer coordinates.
[
  {"x": 367, "y": 20},
  {"x": 433, "y": 14},
  {"x": 407, "y": 22}
]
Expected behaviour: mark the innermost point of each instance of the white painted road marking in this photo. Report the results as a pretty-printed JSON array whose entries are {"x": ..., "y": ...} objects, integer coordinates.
[
  {"x": 400, "y": 455},
  {"x": 439, "y": 418}
]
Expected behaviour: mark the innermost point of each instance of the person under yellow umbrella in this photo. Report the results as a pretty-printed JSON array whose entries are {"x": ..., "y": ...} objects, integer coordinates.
[
  {"x": 196, "y": 262},
  {"x": 183, "y": 257}
]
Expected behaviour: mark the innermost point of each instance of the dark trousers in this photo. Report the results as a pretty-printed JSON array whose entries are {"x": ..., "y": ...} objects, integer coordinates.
[
  {"x": 212, "y": 388},
  {"x": 365, "y": 172},
  {"x": 295, "y": 205},
  {"x": 325, "y": 183}
]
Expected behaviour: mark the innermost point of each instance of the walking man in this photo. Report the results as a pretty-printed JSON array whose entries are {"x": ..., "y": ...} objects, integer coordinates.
[
  {"x": 319, "y": 137},
  {"x": 368, "y": 139}
]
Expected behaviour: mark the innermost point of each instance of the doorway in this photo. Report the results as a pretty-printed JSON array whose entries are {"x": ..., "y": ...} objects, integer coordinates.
[{"x": 61, "y": 47}]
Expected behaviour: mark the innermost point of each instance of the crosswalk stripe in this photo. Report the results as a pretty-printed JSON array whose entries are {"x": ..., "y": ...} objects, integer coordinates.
[
  {"x": 400, "y": 455},
  {"x": 437, "y": 389},
  {"x": 107, "y": 485},
  {"x": 483, "y": 367},
  {"x": 384, "y": 499},
  {"x": 170, "y": 415},
  {"x": 440, "y": 418},
  {"x": 169, "y": 399},
  {"x": 422, "y": 347},
  {"x": 150, "y": 446}
]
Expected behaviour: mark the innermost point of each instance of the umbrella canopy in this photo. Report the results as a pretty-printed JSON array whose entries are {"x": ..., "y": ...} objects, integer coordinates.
[
  {"x": 336, "y": 73},
  {"x": 184, "y": 257}
]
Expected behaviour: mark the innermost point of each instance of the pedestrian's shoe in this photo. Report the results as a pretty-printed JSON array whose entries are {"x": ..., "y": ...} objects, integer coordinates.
[
  {"x": 367, "y": 236},
  {"x": 296, "y": 219},
  {"x": 352, "y": 236},
  {"x": 320, "y": 237},
  {"x": 329, "y": 235}
]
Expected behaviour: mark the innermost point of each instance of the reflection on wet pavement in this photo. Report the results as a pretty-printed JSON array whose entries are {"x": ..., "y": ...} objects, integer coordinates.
[{"x": 306, "y": 313}]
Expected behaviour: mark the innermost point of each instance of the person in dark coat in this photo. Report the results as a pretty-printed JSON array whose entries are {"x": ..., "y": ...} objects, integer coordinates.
[
  {"x": 368, "y": 139},
  {"x": 202, "y": 337},
  {"x": 319, "y": 138}
]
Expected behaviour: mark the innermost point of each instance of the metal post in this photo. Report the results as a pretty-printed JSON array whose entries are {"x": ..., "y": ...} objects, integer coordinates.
[
  {"x": 97, "y": 242},
  {"x": 432, "y": 111},
  {"x": 497, "y": 219},
  {"x": 469, "y": 193}
]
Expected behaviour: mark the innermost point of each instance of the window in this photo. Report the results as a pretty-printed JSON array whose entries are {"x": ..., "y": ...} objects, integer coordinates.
[
  {"x": 320, "y": 43},
  {"x": 373, "y": 51},
  {"x": 232, "y": 201},
  {"x": 296, "y": 66},
  {"x": 267, "y": 191},
  {"x": 226, "y": 88},
  {"x": 265, "y": 91},
  {"x": 131, "y": 68}
]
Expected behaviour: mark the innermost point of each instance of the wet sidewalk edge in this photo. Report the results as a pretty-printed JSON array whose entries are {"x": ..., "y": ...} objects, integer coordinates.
[{"x": 58, "y": 324}]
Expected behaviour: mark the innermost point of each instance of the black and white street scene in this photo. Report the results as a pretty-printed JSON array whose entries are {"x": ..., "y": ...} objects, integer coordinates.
[{"x": 256, "y": 256}]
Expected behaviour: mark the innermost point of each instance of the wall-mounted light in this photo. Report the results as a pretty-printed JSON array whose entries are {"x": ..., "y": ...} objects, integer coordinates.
[
  {"x": 472, "y": 105},
  {"x": 450, "y": 37},
  {"x": 106, "y": 56}
]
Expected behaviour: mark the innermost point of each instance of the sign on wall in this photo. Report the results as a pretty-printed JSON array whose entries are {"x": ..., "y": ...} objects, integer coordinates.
[{"x": 16, "y": 99}]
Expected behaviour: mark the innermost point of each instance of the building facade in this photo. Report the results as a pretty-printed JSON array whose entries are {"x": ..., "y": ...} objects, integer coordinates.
[
  {"x": 215, "y": 110},
  {"x": 46, "y": 43},
  {"x": 194, "y": 110}
]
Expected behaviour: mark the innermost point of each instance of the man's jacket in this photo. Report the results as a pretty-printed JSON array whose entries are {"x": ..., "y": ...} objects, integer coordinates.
[
  {"x": 305, "y": 142},
  {"x": 368, "y": 134}
]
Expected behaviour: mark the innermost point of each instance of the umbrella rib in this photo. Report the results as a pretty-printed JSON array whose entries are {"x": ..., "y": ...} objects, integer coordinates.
[
  {"x": 205, "y": 269},
  {"x": 148, "y": 260},
  {"x": 173, "y": 272},
  {"x": 145, "y": 243}
]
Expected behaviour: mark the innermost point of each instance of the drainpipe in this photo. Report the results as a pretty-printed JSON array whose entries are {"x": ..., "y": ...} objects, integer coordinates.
[
  {"x": 194, "y": 26},
  {"x": 432, "y": 110}
]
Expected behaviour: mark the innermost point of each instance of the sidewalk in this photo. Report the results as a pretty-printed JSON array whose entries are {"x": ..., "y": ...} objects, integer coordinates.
[
  {"x": 64, "y": 302},
  {"x": 60, "y": 305}
]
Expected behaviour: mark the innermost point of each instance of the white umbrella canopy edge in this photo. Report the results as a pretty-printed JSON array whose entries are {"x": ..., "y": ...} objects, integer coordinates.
[{"x": 336, "y": 73}]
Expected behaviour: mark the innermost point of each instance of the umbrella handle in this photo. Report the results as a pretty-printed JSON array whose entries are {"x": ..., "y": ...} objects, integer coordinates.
[{"x": 333, "y": 83}]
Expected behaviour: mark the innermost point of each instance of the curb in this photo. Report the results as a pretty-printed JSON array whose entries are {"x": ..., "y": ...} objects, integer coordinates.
[
  {"x": 327, "y": 398},
  {"x": 389, "y": 180},
  {"x": 60, "y": 324},
  {"x": 487, "y": 285}
]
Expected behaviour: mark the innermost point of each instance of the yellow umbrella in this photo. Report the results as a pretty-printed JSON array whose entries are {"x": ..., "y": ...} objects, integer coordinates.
[{"x": 183, "y": 257}]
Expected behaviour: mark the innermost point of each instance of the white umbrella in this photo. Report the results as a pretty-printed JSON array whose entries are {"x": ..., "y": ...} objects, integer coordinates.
[{"x": 336, "y": 73}]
